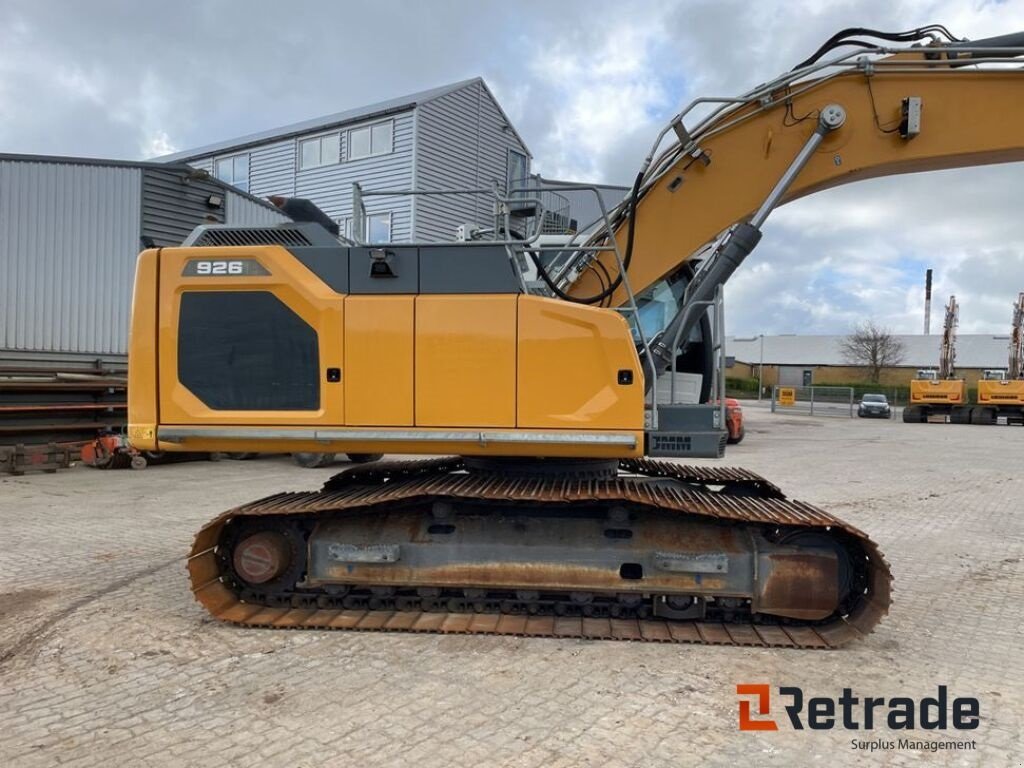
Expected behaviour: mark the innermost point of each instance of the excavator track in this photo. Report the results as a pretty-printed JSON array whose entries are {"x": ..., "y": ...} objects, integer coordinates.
[{"x": 725, "y": 495}]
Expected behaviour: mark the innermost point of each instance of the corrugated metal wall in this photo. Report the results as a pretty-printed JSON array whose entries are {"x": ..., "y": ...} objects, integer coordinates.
[
  {"x": 463, "y": 142},
  {"x": 243, "y": 212},
  {"x": 272, "y": 169},
  {"x": 69, "y": 235},
  {"x": 174, "y": 204}
]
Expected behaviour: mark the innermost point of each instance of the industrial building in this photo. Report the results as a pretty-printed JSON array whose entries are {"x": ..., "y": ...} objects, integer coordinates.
[
  {"x": 797, "y": 360},
  {"x": 452, "y": 136}
]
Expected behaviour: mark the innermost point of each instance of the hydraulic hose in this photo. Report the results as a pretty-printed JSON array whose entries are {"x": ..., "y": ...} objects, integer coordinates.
[{"x": 599, "y": 297}]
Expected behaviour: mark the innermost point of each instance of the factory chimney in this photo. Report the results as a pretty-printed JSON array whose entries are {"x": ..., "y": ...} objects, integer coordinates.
[{"x": 927, "y": 301}]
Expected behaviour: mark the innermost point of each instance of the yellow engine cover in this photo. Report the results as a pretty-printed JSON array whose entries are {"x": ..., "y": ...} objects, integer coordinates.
[{"x": 247, "y": 349}]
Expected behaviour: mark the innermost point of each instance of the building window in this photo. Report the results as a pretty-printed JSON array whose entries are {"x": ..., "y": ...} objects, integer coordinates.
[
  {"x": 518, "y": 170},
  {"x": 378, "y": 228},
  {"x": 234, "y": 170},
  {"x": 319, "y": 151},
  {"x": 369, "y": 140}
]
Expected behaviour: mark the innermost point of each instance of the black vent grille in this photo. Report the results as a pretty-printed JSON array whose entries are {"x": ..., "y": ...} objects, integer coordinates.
[{"x": 254, "y": 236}]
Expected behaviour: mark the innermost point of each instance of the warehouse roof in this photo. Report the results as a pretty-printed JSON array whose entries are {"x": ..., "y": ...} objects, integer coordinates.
[
  {"x": 972, "y": 350},
  {"x": 377, "y": 109}
]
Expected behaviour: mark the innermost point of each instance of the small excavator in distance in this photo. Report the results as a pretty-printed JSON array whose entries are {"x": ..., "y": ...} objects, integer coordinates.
[
  {"x": 554, "y": 511},
  {"x": 1001, "y": 393},
  {"x": 937, "y": 394}
]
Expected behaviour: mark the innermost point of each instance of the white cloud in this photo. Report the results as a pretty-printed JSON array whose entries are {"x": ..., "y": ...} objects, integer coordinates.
[{"x": 586, "y": 82}]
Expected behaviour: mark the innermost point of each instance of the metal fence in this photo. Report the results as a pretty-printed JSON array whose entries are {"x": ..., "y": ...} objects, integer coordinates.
[{"x": 814, "y": 401}]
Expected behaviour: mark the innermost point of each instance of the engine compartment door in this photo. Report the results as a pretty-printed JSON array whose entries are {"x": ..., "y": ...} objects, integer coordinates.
[{"x": 247, "y": 335}]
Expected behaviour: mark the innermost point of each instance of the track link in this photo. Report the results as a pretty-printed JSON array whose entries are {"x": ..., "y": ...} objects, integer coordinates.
[{"x": 744, "y": 497}]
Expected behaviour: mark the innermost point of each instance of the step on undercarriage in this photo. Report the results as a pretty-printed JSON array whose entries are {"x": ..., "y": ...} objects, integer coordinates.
[{"x": 647, "y": 550}]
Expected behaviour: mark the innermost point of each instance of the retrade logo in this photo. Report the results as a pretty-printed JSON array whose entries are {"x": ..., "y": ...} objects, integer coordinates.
[
  {"x": 764, "y": 705},
  {"x": 852, "y": 712}
]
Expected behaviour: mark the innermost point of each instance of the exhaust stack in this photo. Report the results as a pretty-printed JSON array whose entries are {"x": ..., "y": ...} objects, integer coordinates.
[{"x": 927, "y": 301}]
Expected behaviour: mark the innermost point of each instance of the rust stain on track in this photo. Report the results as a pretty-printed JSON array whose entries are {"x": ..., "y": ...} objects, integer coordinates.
[{"x": 442, "y": 479}]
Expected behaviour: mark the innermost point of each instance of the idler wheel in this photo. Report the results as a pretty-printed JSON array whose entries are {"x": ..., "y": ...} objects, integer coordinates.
[{"x": 262, "y": 557}]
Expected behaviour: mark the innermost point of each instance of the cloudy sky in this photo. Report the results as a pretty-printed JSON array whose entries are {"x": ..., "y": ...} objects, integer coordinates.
[{"x": 587, "y": 83}]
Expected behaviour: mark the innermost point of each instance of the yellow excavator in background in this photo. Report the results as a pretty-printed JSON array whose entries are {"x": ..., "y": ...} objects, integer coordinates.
[
  {"x": 550, "y": 516},
  {"x": 1001, "y": 393},
  {"x": 936, "y": 394}
]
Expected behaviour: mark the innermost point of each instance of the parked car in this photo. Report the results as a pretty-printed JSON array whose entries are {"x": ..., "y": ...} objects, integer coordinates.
[
  {"x": 873, "y": 406},
  {"x": 734, "y": 420}
]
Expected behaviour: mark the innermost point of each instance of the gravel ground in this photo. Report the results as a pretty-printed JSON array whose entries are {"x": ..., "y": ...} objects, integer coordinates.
[{"x": 106, "y": 660}]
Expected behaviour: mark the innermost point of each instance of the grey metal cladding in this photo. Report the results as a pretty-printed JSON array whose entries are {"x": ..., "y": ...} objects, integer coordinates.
[
  {"x": 69, "y": 235},
  {"x": 447, "y": 158},
  {"x": 330, "y": 264},
  {"x": 243, "y": 211},
  {"x": 404, "y": 263},
  {"x": 174, "y": 204},
  {"x": 463, "y": 139},
  {"x": 467, "y": 269},
  {"x": 272, "y": 169}
]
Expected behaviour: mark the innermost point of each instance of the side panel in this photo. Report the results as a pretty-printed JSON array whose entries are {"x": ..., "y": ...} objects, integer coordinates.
[
  {"x": 249, "y": 341},
  {"x": 570, "y": 359},
  {"x": 466, "y": 361},
  {"x": 378, "y": 372},
  {"x": 142, "y": 355}
]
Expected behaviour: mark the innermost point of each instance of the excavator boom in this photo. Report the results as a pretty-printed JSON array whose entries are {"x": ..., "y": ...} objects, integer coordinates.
[{"x": 907, "y": 110}]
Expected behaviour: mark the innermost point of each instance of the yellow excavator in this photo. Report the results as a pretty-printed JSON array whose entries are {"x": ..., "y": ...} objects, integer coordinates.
[
  {"x": 1001, "y": 393},
  {"x": 938, "y": 394},
  {"x": 550, "y": 513}
]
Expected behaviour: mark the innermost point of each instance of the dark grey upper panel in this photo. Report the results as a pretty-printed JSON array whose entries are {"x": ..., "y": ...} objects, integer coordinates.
[
  {"x": 453, "y": 268},
  {"x": 467, "y": 269},
  {"x": 398, "y": 272},
  {"x": 329, "y": 264}
]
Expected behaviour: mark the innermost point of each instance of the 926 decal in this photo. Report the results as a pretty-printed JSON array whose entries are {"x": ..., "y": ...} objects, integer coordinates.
[{"x": 223, "y": 268}]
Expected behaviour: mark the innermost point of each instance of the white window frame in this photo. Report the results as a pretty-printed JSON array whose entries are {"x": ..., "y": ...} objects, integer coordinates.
[
  {"x": 233, "y": 181},
  {"x": 369, "y": 127},
  {"x": 391, "y": 221},
  {"x": 508, "y": 170},
  {"x": 318, "y": 138}
]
